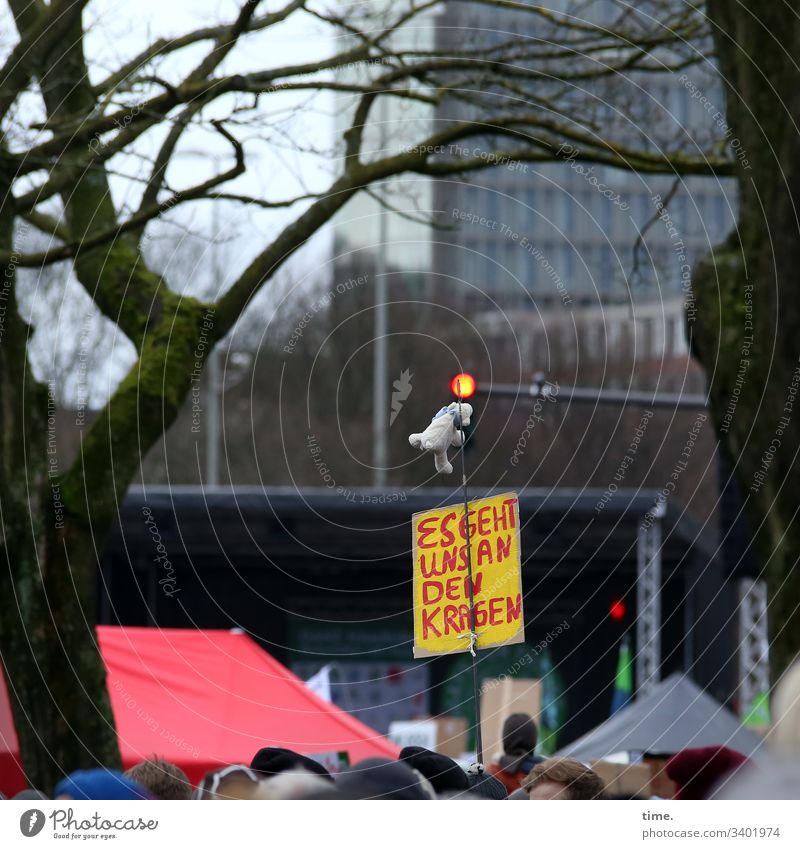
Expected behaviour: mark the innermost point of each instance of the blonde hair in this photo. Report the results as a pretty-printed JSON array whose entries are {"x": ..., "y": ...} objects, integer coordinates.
[
  {"x": 163, "y": 779},
  {"x": 582, "y": 782}
]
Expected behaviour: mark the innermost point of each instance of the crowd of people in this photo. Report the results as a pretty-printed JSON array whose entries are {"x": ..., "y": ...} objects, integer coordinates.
[
  {"x": 518, "y": 773},
  {"x": 418, "y": 774}
]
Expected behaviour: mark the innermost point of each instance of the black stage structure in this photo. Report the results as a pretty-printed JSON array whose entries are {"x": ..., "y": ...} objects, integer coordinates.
[{"x": 318, "y": 576}]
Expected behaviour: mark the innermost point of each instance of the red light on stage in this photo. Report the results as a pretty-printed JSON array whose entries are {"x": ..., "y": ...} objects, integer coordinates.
[
  {"x": 617, "y": 610},
  {"x": 463, "y": 385}
]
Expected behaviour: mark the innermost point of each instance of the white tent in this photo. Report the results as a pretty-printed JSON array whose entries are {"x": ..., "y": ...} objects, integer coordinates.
[{"x": 676, "y": 715}]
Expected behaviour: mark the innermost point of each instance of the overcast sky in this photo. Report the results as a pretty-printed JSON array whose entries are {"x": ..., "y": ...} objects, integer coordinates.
[{"x": 117, "y": 31}]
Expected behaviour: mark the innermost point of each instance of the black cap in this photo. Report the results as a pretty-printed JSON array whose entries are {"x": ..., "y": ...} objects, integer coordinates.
[
  {"x": 273, "y": 761},
  {"x": 444, "y": 773}
]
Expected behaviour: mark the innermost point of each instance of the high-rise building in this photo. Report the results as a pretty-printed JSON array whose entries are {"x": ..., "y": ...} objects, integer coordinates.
[
  {"x": 557, "y": 234},
  {"x": 390, "y": 224},
  {"x": 566, "y": 233}
]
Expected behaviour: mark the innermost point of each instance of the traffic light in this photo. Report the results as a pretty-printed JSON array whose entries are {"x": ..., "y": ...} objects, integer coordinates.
[{"x": 463, "y": 385}]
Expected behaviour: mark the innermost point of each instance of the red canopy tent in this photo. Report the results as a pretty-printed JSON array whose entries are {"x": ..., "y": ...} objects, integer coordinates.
[{"x": 205, "y": 698}]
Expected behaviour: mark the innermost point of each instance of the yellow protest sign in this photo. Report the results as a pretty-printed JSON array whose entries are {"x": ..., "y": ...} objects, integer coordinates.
[{"x": 441, "y": 585}]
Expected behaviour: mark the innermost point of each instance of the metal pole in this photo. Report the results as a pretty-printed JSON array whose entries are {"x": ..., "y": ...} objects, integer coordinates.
[
  {"x": 473, "y": 637},
  {"x": 597, "y": 396},
  {"x": 380, "y": 380}
]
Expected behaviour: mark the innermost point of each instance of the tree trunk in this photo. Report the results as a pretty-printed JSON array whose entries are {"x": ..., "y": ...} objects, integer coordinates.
[
  {"x": 62, "y": 716},
  {"x": 54, "y": 674},
  {"x": 56, "y": 519},
  {"x": 745, "y": 323}
]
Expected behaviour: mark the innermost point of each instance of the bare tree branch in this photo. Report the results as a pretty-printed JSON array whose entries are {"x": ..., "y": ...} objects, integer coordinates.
[
  {"x": 139, "y": 219},
  {"x": 164, "y": 46}
]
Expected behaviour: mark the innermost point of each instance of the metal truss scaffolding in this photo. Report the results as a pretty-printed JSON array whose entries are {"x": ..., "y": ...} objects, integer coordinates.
[
  {"x": 753, "y": 643},
  {"x": 648, "y": 601}
]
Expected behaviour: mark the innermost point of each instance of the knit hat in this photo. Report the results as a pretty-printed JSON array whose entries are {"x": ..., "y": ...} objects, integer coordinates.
[
  {"x": 380, "y": 778},
  {"x": 273, "y": 761},
  {"x": 519, "y": 734},
  {"x": 100, "y": 784},
  {"x": 444, "y": 773},
  {"x": 696, "y": 772},
  {"x": 486, "y": 786}
]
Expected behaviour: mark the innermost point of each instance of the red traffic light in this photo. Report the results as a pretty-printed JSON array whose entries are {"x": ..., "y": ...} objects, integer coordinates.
[
  {"x": 617, "y": 610},
  {"x": 463, "y": 385}
]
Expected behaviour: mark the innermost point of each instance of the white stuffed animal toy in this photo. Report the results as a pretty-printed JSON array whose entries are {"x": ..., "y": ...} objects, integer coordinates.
[{"x": 441, "y": 433}]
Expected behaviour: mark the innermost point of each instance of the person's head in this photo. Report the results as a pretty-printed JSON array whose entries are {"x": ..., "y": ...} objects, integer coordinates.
[
  {"x": 520, "y": 735},
  {"x": 444, "y": 773},
  {"x": 231, "y": 782},
  {"x": 380, "y": 778},
  {"x": 297, "y": 784},
  {"x": 163, "y": 779},
  {"x": 697, "y": 772},
  {"x": 485, "y": 786},
  {"x": 29, "y": 794},
  {"x": 101, "y": 784},
  {"x": 272, "y": 761},
  {"x": 563, "y": 778}
]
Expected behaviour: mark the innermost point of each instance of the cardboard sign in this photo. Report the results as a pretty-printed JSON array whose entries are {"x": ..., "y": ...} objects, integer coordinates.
[
  {"x": 500, "y": 697},
  {"x": 444, "y": 734},
  {"x": 624, "y": 779},
  {"x": 441, "y": 586}
]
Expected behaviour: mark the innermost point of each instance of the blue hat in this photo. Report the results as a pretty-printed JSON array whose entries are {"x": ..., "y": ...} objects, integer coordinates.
[{"x": 105, "y": 784}]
